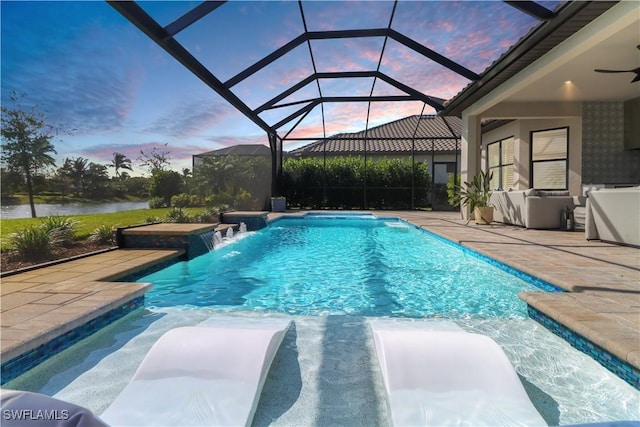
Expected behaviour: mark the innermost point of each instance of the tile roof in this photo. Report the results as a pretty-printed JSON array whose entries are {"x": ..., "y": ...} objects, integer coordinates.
[
  {"x": 239, "y": 150},
  {"x": 394, "y": 137}
]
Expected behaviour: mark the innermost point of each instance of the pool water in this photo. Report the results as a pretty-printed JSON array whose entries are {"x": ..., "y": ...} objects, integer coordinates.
[
  {"x": 326, "y": 371},
  {"x": 358, "y": 266}
]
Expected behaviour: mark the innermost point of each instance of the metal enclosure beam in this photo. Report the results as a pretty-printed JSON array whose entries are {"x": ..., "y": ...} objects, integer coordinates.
[
  {"x": 433, "y": 55},
  {"x": 433, "y": 102},
  {"x": 343, "y": 34},
  {"x": 532, "y": 9},
  {"x": 192, "y": 16},
  {"x": 138, "y": 17}
]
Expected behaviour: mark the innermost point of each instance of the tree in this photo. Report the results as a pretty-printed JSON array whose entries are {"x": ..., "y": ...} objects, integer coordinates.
[
  {"x": 10, "y": 182},
  {"x": 187, "y": 177},
  {"x": 166, "y": 184},
  {"x": 76, "y": 170},
  {"x": 27, "y": 147},
  {"x": 120, "y": 161},
  {"x": 96, "y": 180},
  {"x": 137, "y": 186},
  {"x": 157, "y": 160}
]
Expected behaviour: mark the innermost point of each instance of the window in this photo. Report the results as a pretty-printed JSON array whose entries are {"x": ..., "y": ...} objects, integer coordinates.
[
  {"x": 549, "y": 154},
  {"x": 500, "y": 162}
]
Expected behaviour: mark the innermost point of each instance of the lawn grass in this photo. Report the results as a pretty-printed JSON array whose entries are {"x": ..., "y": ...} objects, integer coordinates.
[{"x": 89, "y": 222}]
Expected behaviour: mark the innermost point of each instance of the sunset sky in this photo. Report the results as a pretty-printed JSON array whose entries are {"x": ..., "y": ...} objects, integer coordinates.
[{"x": 94, "y": 74}]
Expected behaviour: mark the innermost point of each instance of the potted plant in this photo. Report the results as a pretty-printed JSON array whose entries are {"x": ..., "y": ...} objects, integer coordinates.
[{"x": 475, "y": 194}]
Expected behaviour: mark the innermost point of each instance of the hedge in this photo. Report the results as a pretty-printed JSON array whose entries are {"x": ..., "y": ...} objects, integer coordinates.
[{"x": 338, "y": 183}]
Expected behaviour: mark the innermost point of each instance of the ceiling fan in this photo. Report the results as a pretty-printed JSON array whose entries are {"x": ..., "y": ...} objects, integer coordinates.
[{"x": 635, "y": 70}]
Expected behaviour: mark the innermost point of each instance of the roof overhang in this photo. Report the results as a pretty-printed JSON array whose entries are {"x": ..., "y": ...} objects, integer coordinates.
[{"x": 555, "y": 73}]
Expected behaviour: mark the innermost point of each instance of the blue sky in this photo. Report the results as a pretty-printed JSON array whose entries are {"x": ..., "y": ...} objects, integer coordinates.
[{"x": 98, "y": 77}]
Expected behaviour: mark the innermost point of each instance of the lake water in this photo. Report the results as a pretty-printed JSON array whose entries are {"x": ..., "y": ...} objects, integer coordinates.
[{"x": 42, "y": 210}]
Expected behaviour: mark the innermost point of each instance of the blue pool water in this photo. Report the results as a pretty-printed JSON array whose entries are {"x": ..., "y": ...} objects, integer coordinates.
[
  {"x": 326, "y": 370},
  {"x": 345, "y": 265}
]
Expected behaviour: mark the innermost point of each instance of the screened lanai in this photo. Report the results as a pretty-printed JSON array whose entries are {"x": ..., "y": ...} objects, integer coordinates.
[{"x": 304, "y": 71}]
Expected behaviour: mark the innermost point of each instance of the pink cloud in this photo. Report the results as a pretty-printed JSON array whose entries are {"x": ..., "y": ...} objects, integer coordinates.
[
  {"x": 231, "y": 140},
  {"x": 189, "y": 118},
  {"x": 311, "y": 131},
  {"x": 447, "y": 26},
  {"x": 293, "y": 76},
  {"x": 351, "y": 117},
  {"x": 104, "y": 153}
]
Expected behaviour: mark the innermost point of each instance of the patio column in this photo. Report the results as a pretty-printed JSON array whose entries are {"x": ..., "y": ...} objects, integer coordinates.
[{"x": 469, "y": 152}]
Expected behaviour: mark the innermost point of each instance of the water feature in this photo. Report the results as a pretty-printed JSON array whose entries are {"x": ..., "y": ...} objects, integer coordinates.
[
  {"x": 75, "y": 208},
  {"x": 213, "y": 239},
  {"x": 217, "y": 239},
  {"x": 207, "y": 238}
]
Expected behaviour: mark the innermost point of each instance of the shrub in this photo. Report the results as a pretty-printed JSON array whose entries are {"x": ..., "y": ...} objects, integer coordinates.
[
  {"x": 453, "y": 197},
  {"x": 181, "y": 200},
  {"x": 152, "y": 219},
  {"x": 224, "y": 198},
  {"x": 105, "y": 234},
  {"x": 63, "y": 227},
  {"x": 166, "y": 184},
  {"x": 156, "y": 203},
  {"x": 244, "y": 201},
  {"x": 209, "y": 215},
  {"x": 34, "y": 243},
  {"x": 340, "y": 182},
  {"x": 178, "y": 215}
]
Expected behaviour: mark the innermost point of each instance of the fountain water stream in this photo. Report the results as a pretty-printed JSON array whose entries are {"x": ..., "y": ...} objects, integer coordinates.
[
  {"x": 214, "y": 239},
  {"x": 217, "y": 239}
]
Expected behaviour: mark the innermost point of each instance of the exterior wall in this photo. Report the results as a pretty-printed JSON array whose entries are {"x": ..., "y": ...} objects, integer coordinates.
[
  {"x": 193, "y": 244},
  {"x": 521, "y": 131},
  {"x": 605, "y": 160}
]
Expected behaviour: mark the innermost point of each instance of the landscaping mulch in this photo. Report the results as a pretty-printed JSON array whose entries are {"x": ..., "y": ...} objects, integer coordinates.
[{"x": 11, "y": 261}]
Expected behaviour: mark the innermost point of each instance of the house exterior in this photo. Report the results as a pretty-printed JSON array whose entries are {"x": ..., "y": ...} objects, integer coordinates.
[
  {"x": 564, "y": 125},
  {"x": 428, "y": 138},
  {"x": 250, "y": 150},
  {"x": 253, "y": 181}
]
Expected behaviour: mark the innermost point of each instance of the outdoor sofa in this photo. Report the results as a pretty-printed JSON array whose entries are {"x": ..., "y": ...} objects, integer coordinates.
[
  {"x": 531, "y": 208},
  {"x": 613, "y": 215}
]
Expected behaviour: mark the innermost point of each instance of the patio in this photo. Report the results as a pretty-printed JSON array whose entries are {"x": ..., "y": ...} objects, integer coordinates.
[{"x": 602, "y": 303}]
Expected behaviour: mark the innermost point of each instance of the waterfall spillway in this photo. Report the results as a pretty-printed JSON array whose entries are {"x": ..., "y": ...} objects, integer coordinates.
[
  {"x": 217, "y": 238},
  {"x": 214, "y": 239},
  {"x": 207, "y": 238}
]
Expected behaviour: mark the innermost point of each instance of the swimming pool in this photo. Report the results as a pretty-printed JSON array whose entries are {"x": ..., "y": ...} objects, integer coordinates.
[
  {"x": 357, "y": 265},
  {"x": 326, "y": 372}
]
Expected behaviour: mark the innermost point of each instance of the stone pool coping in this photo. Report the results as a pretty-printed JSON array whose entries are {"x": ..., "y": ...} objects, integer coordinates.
[{"x": 42, "y": 304}]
